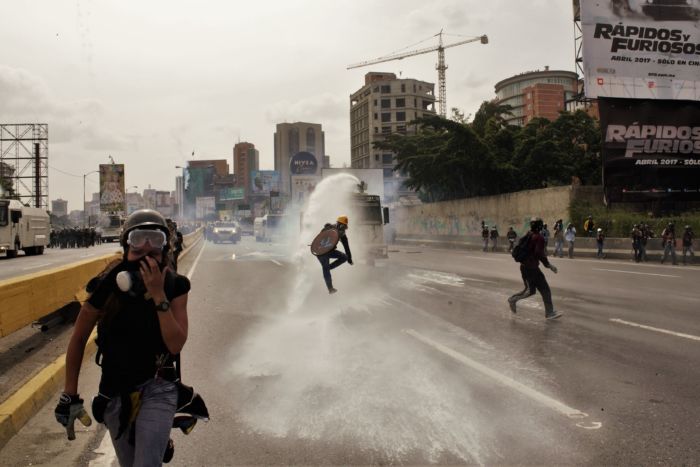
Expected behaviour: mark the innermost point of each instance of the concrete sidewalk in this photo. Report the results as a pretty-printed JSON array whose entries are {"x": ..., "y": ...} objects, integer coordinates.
[{"x": 614, "y": 248}]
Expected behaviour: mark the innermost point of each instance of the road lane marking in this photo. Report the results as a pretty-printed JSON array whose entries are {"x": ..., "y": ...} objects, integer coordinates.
[
  {"x": 651, "y": 328},
  {"x": 276, "y": 262},
  {"x": 478, "y": 280},
  {"x": 36, "y": 266},
  {"x": 635, "y": 272},
  {"x": 483, "y": 257},
  {"x": 194, "y": 265},
  {"x": 543, "y": 399}
]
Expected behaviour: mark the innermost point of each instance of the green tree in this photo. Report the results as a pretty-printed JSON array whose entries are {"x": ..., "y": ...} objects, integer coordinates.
[
  {"x": 444, "y": 160},
  {"x": 451, "y": 159},
  {"x": 490, "y": 110}
]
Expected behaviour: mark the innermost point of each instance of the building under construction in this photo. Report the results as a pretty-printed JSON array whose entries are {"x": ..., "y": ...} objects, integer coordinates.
[
  {"x": 24, "y": 163},
  {"x": 385, "y": 105}
]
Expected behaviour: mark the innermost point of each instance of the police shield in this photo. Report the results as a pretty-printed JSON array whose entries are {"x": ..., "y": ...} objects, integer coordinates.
[{"x": 324, "y": 242}]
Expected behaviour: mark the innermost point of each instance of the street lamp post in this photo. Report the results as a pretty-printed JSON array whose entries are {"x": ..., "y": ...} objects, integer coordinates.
[{"x": 84, "y": 206}]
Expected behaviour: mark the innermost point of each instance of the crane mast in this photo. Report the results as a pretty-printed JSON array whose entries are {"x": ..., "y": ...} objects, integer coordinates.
[
  {"x": 441, "y": 65},
  {"x": 442, "y": 80}
]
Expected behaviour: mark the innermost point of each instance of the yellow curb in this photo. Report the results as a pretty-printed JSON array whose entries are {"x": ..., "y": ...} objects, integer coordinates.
[{"x": 30, "y": 398}]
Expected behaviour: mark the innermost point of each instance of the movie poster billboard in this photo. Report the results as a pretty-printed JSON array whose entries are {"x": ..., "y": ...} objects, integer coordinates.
[
  {"x": 641, "y": 49},
  {"x": 112, "y": 193},
  {"x": 651, "y": 149},
  {"x": 264, "y": 181}
]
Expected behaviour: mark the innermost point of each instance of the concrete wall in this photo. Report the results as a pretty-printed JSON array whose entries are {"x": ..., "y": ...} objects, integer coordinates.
[{"x": 463, "y": 217}]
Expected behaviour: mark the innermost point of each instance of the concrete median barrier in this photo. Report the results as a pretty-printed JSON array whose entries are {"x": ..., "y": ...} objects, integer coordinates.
[{"x": 28, "y": 298}]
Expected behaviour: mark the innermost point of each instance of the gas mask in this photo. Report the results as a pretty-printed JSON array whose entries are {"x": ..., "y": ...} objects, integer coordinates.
[{"x": 129, "y": 279}]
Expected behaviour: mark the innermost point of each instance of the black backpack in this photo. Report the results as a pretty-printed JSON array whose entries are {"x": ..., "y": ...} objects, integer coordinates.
[{"x": 521, "y": 251}]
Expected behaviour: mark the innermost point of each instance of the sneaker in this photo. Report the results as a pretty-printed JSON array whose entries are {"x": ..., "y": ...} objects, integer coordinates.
[
  {"x": 511, "y": 303},
  {"x": 553, "y": 315},
  {"x": 332, "y": 290},
  {"x": 169, "y": 452}
]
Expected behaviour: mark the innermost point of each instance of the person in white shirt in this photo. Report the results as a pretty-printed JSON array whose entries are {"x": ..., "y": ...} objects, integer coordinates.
[{"x": 570, "y": 237}]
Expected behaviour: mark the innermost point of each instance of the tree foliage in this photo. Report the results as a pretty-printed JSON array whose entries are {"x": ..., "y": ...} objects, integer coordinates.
[{"x": 452, "y": 159}]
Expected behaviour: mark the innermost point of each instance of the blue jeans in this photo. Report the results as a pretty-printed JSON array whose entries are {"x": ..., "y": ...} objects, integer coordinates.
[
  {"x": 669, "y": 250},
  {"x": 326, "y": 264},
  {"x": 559, "y": 248},
  {"x": 153, "y": 424}
]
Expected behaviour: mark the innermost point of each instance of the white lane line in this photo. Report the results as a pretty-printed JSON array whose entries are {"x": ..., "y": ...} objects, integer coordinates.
[
  {"x": 276, "y": 262},
  {"x": 482, "y": 257},
  {"x": 36, "y": 266},
  {"x": 651, "y": 328},
  {"x": 635, "y": 272},
  {"x": 543, "y": 399},
  {"x": 478, "y": 280},
  {"x": 194, "y": 265}
]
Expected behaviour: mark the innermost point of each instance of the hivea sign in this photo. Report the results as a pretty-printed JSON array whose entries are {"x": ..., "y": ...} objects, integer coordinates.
[{"x": 303, "y": 163}]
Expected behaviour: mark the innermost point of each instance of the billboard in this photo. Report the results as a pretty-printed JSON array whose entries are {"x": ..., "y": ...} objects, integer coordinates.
[
  {"x": 641, "y": 49},
  {"x": 262, "y": 182},
  {"x": 112, "y": 194},
  {"x": 303, "y": 163},
  {"x": 231, "y": 194},
  {"x": 651, "y": 149}
]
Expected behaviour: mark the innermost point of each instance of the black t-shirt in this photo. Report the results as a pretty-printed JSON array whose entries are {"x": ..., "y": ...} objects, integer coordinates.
[{"x": 128, "y": 335}]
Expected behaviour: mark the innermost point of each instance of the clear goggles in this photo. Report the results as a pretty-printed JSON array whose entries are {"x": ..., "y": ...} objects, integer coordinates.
[{"x": 137, "y": 238}]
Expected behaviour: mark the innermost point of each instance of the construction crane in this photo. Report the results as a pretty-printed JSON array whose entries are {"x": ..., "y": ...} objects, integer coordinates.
[{"x": 440, "y": 67}]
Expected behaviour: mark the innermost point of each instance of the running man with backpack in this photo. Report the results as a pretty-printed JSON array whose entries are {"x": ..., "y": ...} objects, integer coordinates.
[{"x": 529, "y": 252}]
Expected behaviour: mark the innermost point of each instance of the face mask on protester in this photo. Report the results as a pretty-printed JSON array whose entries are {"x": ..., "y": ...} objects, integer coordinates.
[{"x": 129, "y": 279}]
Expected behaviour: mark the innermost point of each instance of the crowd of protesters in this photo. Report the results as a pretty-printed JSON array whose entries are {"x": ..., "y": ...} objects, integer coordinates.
[{"x": 566, "y": 237}]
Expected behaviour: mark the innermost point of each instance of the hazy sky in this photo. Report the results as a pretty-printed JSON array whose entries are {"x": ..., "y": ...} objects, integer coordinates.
[{"x": 150, "y": 81}]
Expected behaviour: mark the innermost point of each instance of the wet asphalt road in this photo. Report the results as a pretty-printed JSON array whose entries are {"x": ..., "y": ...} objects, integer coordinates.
[{"x": 419, "y": 360}]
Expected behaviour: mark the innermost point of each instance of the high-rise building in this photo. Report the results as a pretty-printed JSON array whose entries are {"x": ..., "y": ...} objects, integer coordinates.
[
  {"x": 385, "y": 105},
  {"x": 245, "y": 159},
  {"x": 299, "y": 151},
  {"x": 537, "y": 94},
  {"x": 59, "y": 207}
]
